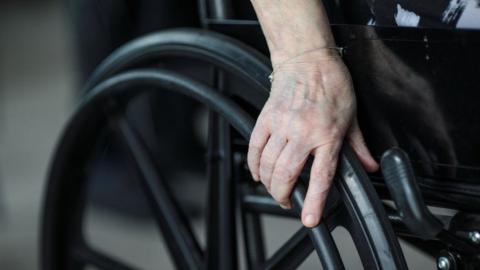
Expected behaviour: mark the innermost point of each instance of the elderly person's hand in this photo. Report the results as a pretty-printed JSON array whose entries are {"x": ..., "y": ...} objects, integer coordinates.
[{"x": 310, "y": 110}]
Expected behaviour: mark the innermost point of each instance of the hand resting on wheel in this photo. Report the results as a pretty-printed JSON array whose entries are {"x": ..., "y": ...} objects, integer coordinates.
[{"x": 311, "y": 108}]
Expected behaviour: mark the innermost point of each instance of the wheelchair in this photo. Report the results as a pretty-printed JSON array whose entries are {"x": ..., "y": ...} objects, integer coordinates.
[{"x": 403, "y": 79}]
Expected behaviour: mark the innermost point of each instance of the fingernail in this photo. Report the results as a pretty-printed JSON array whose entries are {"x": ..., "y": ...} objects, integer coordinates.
[
  {"x": 286, "y": 206},
  {"x": 310, "y": 220},
  {"x": 255, "y": 177}
]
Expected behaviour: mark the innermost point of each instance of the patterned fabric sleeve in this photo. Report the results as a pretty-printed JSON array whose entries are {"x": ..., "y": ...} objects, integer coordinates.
[{"x": 415, "y": 13}]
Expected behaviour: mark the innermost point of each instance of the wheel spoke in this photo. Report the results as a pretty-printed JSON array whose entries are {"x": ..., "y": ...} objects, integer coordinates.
[
  {"x": 253, "y": 237},
  {"x": 89, "y": 257},
  {"x": 293, "y": 252},
  {"x": 178, "y": 236},
  {"x": 221, "y": 227}
]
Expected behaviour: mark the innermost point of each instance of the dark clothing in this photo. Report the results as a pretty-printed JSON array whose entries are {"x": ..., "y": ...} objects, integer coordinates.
[
  {"x": 412, "y": 13},
  {"x": 101, "y": 26}
]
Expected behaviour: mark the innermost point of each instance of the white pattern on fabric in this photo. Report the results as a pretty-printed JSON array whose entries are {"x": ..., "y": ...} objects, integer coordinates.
[
  {"x": 470, "y": 17},
  {"x": 454, "y": 9},
  {"x": 404, "y": 17}
]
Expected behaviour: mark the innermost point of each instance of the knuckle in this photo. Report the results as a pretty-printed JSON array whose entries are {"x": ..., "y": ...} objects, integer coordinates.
[
  {"x": 280, "y": 172},
  {"x": 316, "y": 173},
  {"x": 302, "y": 133},
  {"x": 268, "y": 159},
  {"x": 266, "y": 164},
  {"x": 258, "y": 133},
  {"x": 335, "y": 131},
  {"x": 265, "y": 176},
  {"x": 319, "y": 195},
  {"x": 329, "y": 174},
  {"x": 255, "y": 143},
  {"x": 323, "y": 175},
  {"x": 253, "y": 154},
  {"x": 286, "y": 176},
  {"x": 318, "y": 191},
  {"x": 265, "y": 180}
]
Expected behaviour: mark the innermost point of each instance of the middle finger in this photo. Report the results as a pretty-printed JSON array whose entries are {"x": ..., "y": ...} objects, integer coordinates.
[
  {"x": 287, "y": 169},
  {"x": 269, "y": 157}
]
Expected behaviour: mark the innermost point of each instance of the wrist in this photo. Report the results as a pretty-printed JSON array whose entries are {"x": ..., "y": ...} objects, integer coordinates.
[
  {"x": 300, "y": 55},
  {"x": 312, "y": 66}
]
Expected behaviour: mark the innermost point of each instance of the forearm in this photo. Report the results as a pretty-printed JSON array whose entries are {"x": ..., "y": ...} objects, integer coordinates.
[{"x": 293, "y": 27}]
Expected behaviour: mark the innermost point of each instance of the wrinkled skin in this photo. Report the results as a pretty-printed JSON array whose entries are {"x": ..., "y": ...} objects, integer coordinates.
[{"x": 310, "y": 111}]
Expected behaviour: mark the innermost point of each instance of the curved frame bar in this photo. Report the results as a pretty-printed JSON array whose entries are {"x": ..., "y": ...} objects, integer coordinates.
[{"x": 221, "y": 51}]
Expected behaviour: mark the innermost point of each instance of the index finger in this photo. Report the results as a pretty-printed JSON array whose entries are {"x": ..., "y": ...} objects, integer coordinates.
[{"x": 258, "y": 140}]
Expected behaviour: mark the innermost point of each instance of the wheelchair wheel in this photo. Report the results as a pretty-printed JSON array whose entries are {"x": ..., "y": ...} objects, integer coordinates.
[{"x": 233, "y": 198}]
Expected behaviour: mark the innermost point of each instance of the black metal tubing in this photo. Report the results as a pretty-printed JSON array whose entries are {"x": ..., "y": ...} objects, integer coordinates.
[
  {"x": 253, "y": 237},
  {"x": 124, "y": 86},
  {"x": 292, "y": 253},
  {"x": 183, "y": 247},
  {"x": 320, "y": 235},
  {"x": 221, "y": 229},
  {"x": 251, "y": 221},
  {"x": 262, "y": 203},
  {"x": 265, "y": 205},
  {"x": 220, "y": 9}
]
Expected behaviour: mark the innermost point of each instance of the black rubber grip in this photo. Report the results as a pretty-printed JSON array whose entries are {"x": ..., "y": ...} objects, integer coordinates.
[
  {"x": 405, "y": 192},
  {"x": 320, "y": 235}
]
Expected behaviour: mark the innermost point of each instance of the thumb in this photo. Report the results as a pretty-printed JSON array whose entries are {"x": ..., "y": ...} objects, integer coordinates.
[{"x": 356, "y": 140}]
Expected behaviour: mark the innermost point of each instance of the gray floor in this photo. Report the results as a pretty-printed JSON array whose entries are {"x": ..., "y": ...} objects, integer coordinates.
[{"x": 36, "y": 96}]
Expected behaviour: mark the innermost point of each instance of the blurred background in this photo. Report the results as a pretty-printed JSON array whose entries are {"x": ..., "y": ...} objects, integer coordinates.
[
  {"x": 39, "y": 87},
  {"x": 37, "y": 82}
]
